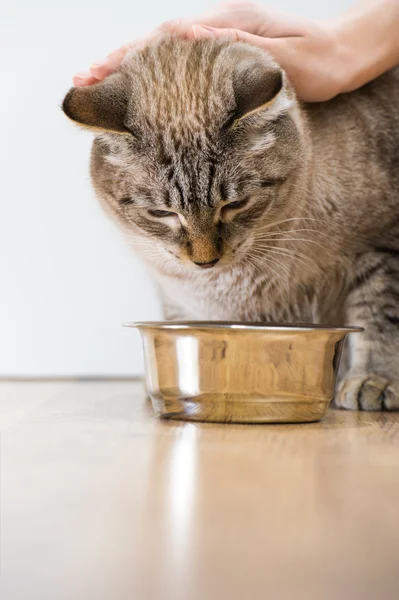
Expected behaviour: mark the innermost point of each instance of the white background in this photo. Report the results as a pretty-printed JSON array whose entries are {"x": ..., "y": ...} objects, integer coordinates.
[{"x": 67, "y": 280}]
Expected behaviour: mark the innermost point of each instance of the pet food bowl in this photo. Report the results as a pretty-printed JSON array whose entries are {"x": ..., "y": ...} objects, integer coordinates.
[{"x": 241, "y": 372}]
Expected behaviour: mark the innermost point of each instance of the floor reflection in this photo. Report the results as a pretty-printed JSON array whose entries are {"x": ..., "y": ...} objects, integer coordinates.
[{"x": 168, "y": 524}]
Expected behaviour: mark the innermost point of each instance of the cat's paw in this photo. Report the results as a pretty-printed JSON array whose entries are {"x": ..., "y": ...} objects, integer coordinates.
[{"x": 368, "y": 392}]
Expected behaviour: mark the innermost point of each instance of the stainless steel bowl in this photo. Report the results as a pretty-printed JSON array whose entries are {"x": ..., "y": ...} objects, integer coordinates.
[{"x": 241, "y": 372}]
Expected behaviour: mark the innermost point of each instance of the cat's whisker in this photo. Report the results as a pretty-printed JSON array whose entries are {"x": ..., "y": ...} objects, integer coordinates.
[
  {"x": 278, "y": 275},
  {"x": 292, "y": 240},
  {"x": 289, "y": 231},
  {"x": 283, "y": 221},
  {"x": 250, "y": 262},
  {"x": 289, "y": 252},
  {"x": 299, "y": 187},
  {"x": 298, "y": 256},
  {"x": 152, "y": 254},
  {"x": 246, "y": 262},
  {"x": 260, "y": 255}
]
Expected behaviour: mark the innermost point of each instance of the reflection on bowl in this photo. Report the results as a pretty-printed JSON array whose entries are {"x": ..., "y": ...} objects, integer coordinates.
[{"x": 241, "y": 372}]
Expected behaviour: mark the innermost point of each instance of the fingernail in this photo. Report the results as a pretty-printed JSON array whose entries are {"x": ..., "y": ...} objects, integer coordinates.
[
  {"x": 81, "y": 77},
  {"x": 98, "y": 64},
  {"x": 200, "y": 31},
  {"x": 82, "y": 74}
]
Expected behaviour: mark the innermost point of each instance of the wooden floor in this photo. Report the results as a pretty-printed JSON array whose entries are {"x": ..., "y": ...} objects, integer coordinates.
[{"x": 102, "y": 501}]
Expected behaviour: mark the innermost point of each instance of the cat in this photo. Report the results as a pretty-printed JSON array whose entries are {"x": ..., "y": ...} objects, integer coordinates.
[{"x": 249, "y": 205}]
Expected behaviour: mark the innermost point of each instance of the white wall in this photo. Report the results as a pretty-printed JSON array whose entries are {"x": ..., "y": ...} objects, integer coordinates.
[{"x": 67, "y": 279}]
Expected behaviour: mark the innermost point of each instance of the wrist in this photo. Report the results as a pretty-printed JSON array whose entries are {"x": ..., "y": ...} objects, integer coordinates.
[
  {"x": 366, "y": 42},
  {"x": 351, "y": 62}
]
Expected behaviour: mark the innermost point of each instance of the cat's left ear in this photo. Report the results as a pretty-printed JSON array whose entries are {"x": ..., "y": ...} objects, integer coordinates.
[
  {"x": 101, "y": 106},
  {"x": 259, "y": 87}
]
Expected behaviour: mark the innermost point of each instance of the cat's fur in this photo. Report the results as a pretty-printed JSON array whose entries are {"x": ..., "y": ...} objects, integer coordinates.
[{"x": 188, "y": 126}]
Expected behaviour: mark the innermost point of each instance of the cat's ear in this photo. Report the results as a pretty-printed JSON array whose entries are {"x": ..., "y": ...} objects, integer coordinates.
[
  {"x": 101, "y": 106},
  {"x": 258, "y": 88}
]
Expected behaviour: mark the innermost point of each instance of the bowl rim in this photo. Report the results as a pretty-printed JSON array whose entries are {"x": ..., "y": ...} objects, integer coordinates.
[{"x": 240, "y": 326}]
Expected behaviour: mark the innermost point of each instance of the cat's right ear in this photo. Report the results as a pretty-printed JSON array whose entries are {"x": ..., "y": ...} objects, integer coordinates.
[
  {"x": 258, "y": 86},
  {"x": 101, "y": 106}
]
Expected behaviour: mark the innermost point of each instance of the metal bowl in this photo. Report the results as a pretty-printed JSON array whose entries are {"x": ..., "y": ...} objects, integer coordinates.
[{"x": 241, "y": 372}]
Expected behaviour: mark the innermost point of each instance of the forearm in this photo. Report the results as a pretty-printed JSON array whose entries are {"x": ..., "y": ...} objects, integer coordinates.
[{"x": 369, "y": 35}]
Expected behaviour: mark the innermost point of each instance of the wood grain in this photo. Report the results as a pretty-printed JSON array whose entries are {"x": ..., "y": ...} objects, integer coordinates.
[{"x": 100, "y": 500}]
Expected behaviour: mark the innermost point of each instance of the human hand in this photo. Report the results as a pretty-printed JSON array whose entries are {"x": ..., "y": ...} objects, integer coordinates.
[{"x": 311, "y": 52}]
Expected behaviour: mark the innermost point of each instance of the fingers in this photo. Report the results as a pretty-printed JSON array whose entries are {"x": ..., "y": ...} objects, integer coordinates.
[
  {"x": 101, "y": 69},
  {"x": 83, "y": 78},
  {"x": 244, "y": 15},
  {"x": 234, "y": 35},
  {"x": 272, "y": 45},
  {"x": 234, "y": 19},
  {"x": 283, "y": 50},
  {"x": 188, "y": 30}
]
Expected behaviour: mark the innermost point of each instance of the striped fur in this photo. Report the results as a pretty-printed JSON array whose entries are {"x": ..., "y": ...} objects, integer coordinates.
[{"x": 318, "y": 240}]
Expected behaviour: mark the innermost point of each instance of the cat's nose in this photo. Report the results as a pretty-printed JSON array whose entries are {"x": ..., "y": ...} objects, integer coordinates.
[{"x": 207, "y": 265}]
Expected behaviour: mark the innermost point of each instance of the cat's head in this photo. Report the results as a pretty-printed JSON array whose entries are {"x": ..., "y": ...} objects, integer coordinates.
[{"x": 198, "y": 143}]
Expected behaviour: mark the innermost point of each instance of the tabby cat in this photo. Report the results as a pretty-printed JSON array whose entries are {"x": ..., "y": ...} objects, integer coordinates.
[{"x": 249, "y": 205}]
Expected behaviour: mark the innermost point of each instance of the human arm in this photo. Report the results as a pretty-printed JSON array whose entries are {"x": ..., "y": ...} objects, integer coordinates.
[{"x": 322, "y": 58}]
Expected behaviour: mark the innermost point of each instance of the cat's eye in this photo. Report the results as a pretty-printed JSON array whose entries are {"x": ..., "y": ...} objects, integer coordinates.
[
  {"x": 161, "y": 214},
  {"x": 270, "y": 182},
  {"x": 237, "y": 204},
  {"x": 125, "y": 201}
]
